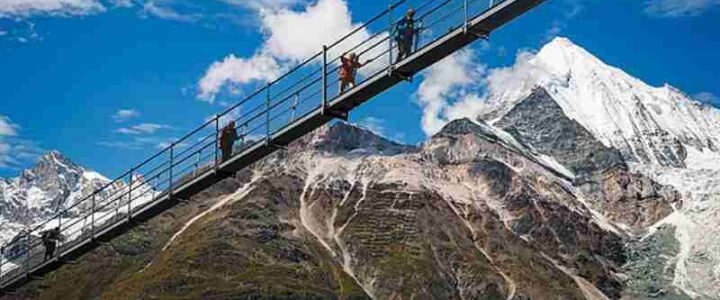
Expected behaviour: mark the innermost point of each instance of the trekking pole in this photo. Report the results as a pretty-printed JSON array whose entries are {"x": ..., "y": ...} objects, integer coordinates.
[{"x": 492, "y": 3}]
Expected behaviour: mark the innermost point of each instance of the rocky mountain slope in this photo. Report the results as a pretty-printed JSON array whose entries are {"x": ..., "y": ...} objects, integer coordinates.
[
  {"x": 471, "y": 214},
  {"x": 570, "y": 185}
]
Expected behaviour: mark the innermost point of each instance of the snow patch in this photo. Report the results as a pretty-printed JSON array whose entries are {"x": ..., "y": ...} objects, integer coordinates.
[{"x": 239, "y": 194}]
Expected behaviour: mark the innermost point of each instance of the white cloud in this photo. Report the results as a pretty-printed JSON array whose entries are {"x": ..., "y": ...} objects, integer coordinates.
[
  {"x": 296, "y": 35},
  {"x": 707, "y": 97},
  {"x": 141, "y": 143},
  {"x": 291, "y": 36},
  {"x": 167, "y": 12},
  {"x": 446, "y": 92},
  {"x": 145, "y": 128},
  {"x": 123, "y": 3},
  {"x": 123, "y": 115},
  {"x": 459, "y": 86},
  {"x": 678, "y": 8},
  {"x": 233, "y": 70},
  {"x": 27, "y": 8},
  {"x": 258, "y": 4},
  {"x": 14, "y": 151},
  {"x": 516, "y": 77},
  {"x": 7, "y": 128}
]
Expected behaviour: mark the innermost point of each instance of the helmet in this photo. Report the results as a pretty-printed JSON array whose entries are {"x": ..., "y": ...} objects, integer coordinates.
[
  {"x": 410, "y": 12},
  {"x": 352, "y": 55}
]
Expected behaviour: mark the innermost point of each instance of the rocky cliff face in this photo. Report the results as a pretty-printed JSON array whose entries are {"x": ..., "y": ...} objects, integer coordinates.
[{"x": 628, "y": 198}]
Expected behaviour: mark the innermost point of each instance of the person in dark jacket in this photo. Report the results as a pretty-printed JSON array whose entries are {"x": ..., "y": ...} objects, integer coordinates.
[
  {"x": 405, "y": 35},
  {"x": 228, "y": 135},
  {"x": 49, "y": 240}
]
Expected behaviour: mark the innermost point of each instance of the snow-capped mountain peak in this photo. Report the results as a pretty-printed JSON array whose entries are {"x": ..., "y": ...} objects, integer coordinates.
[
  {"x": 561, "y": 56},
  {"x": 647, "y": 124},
  {"x": 53, "y": 184}
]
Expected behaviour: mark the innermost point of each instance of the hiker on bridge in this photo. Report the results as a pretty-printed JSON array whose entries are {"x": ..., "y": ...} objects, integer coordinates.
[
  {"x": 350, "y": 64},
  {"x": 228, "y": 135},
  {"x": 406, "y": 31},
  {"x": 49, "y": 239}
]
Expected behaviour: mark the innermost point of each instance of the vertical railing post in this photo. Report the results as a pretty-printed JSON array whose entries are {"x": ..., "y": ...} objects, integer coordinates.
[
  {"x": 324, "y": 80},
  {"x": 2, "y": 257},
  {"x": 172, "y": 166},
  {"x": 130, "y": 189},
  {"x": 60, "y": 230},
  {"x": 118, "y": 199},
  {"x": 217, "y": 140},
  {"x": 390, "y": 35},
  {"x": 267, "y": 114},
  {"x": 92, "y": 218},
  {"x": 465, "y": 16},
  {"x": 27, "y": 254}
]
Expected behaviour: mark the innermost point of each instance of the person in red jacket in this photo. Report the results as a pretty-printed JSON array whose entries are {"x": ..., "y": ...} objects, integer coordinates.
[{"x": 348, "y": 70}]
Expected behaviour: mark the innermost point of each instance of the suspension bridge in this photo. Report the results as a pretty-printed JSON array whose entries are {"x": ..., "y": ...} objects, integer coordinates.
[{"x": 298, "y": 102}]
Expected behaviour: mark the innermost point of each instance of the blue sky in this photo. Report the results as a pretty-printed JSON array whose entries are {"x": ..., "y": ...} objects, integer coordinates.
[{"x": 107, "y": 82}]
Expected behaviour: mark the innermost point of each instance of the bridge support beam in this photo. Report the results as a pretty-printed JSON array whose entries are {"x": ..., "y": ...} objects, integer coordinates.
[{"x": 338, "y": 114}]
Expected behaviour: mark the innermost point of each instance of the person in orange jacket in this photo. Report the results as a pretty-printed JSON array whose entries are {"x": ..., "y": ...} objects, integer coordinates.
[{"x": 350, "y": 64}]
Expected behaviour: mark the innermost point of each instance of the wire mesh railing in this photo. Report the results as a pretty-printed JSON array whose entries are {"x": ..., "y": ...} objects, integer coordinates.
[{"x": 302, "y": 90}]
